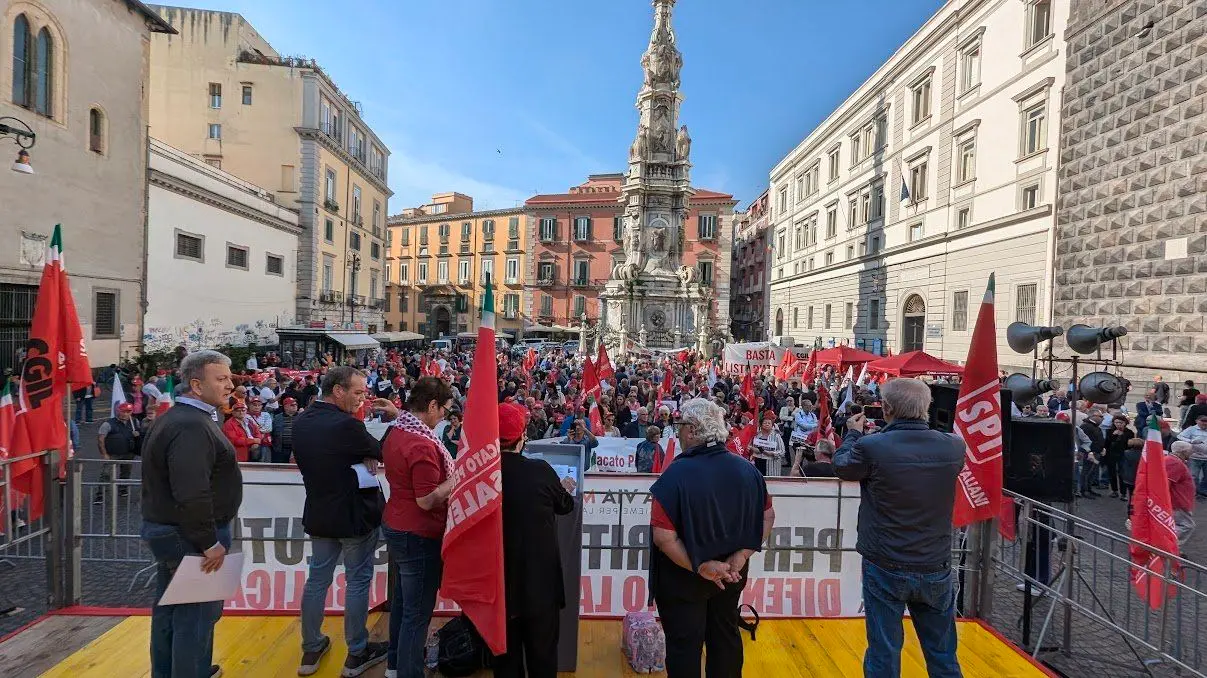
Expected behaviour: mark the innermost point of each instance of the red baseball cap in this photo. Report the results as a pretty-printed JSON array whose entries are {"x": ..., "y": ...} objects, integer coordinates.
[
  {"x": 289, "y": 401},
  {"x": 513, "y": 420},
  {"x": 125, "y": 407}
]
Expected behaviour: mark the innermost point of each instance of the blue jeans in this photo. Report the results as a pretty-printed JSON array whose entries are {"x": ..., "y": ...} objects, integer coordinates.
[
  {"x": 182, "y": 636},
  {"x": 83, "y": 410},
  {"x": 1198, "y": 473},
  {"x": 358, "y": 575},
  {"x": 930, "y": 598},
  {"x": 418, "y": 578}
]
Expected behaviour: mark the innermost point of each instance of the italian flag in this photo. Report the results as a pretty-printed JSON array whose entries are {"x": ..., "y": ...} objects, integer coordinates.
[
  {"x": 1152, "y": 524},
  {"x": 473, "y": 535},
  {"x": 8, "y": 497}
]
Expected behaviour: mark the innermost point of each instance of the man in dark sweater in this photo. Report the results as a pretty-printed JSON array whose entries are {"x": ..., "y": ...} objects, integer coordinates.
[
  {"x": 191, "y": 490},
  {"x": 907, "y": 484}
]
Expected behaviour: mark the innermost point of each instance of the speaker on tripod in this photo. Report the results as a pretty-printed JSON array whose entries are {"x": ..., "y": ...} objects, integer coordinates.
[{"x": 1038, "y": 462}]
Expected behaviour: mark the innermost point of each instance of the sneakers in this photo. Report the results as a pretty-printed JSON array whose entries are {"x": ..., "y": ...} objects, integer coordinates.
[
  {"x": 356, "y": 664},
  {"x": 215, "y": 671},
  {"x": 310, "y": 660}
]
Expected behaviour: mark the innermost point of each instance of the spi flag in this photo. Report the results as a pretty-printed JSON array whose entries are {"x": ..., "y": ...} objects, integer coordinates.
[
  {"x": 473, "y": 535},
  {"x": 978, "y": 421},
  {"x": 1152, "y": 523},
  {"x": 55, "y": 356}
]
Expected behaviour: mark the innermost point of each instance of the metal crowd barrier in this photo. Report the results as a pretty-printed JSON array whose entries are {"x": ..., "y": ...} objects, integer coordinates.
[
  {"x": 26, "y": 542},
  {"x": 1082, "y": 610}
]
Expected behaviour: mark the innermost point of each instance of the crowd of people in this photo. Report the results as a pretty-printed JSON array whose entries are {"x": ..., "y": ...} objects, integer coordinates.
[{"x": 696, "y": 425}]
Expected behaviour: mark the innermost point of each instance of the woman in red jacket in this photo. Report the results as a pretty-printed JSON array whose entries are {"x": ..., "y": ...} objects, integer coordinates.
[{"x": 241, "y": 430}]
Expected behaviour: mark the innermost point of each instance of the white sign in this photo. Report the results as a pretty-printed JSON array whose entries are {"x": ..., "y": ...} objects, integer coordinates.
[
  {"x": 817, "y": 517},
  {"x": 758, "y": 354}
]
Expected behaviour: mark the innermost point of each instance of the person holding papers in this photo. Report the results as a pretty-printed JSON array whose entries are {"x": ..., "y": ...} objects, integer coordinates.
[
  {"x": 191, "y": 490},
  {"x": 419, "y": 468},
  {"x": 340, "y": 515}
]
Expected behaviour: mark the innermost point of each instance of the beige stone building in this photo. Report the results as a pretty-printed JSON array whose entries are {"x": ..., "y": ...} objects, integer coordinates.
[
  {"x": 74, "y": 74},
  {"x": 439, "y": 256},
  {"x": 219, "y": 91}
]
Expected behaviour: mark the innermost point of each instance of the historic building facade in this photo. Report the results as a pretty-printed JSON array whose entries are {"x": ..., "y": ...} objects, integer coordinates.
[
  {"x": 1131, "y": 246},
  {"x": 220, "y": 91},
  {"x": 438, "y": 258},
  {"x": 577, "y": 241},
  {"x": 939, "y": 170},
  {"x": 221, "y": 257},
  {"x": 749, "y": 299},
  {"x": 73, "y": 75}
]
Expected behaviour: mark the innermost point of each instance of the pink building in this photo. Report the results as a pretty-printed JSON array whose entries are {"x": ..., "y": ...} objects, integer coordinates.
[
  {"x": 749, "y": 285},
  {"x": 576, "y": 237}
]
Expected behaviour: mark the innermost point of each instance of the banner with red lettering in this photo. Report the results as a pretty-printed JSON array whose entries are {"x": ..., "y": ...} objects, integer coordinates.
[
  {"x": 978, "y": 420},
  {"x": 757, "y": 354}
]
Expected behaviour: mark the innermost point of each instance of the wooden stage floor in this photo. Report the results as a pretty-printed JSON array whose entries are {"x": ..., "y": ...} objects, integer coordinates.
[{"x": 264, "y": 646}]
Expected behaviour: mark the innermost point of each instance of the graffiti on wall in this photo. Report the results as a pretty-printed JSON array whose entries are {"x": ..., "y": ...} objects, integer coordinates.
[{"x": 212, "y": 333}]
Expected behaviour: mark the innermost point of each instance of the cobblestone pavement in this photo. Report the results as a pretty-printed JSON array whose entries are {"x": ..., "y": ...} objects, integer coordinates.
[{"x": 1098, "y": 651}]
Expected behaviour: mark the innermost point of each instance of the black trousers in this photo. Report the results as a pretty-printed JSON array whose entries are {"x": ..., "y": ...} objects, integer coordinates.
[
  {"x": 693, "y": 625},
  {"x": 531, "y": 647}
]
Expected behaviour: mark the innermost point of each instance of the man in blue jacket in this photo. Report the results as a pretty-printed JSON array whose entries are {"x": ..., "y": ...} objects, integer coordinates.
[{"x": 907, "y": 477}]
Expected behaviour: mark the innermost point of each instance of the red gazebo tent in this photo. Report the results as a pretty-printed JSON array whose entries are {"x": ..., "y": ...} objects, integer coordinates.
[
  {"x": 842, "y": 356},
  {"x": 913, "y": 364}
]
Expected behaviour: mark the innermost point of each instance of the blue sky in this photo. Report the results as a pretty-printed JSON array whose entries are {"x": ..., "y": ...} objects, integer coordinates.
[{"x": 502, "y": 99}]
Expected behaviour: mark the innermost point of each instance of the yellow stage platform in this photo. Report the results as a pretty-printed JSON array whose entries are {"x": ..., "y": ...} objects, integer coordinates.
[{"x": 263, "y": 646}]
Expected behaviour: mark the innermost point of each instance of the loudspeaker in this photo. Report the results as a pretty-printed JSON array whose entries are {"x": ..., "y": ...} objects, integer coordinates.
[
  {"x": 1085, "y": 339},
  {"x": 1039, "y": 459},
  {"x": 943, "y": 399},
  {"x": 1023, "y": 337},
  {"x": 1025, "y": 389}
]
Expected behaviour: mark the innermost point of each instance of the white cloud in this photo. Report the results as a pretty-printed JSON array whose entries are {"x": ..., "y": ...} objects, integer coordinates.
[{"x": 415, "y": 180}]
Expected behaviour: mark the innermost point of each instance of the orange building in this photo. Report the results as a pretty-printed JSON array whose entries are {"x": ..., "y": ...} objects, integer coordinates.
[{"x": 576, "y": 242}]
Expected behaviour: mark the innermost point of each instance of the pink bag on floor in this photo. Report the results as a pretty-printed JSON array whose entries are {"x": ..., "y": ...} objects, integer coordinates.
[{"x": 643, "y": 642}]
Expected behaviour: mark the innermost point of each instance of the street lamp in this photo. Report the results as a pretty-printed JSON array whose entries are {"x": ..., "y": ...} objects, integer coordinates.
[
  {"x": 24, "y": 138},
  {"x": 354, "y": 264}
]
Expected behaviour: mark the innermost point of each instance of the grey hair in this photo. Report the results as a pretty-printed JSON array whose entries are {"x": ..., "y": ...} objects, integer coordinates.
[
  {"x": 193, "y": 365},
  {"x": 908, "y": 398},
  {"x": 707, "y": 418}
]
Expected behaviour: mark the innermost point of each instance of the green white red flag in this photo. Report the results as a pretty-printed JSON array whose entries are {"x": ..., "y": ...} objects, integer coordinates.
[
  {"x": 55, "y": 356},
  {"x": 473, "y": 535},
  {"x": 978, "y": 421},
  {"x": 9, "y": 498},
  {"x": 1152, "y": 523}
]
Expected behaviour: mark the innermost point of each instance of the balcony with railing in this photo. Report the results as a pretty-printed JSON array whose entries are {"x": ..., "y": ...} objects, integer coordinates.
[
  {"x": 548, "y": 281},
  {"x": 331, "y": 297}
]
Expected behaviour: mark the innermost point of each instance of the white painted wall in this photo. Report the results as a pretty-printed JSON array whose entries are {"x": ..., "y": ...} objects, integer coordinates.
[
  {"x": 1004, "y": 238},
  {"x": 207, "y": 304}
]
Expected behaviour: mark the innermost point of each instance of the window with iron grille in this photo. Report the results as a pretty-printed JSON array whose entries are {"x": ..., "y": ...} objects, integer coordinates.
[
  {"x": 104, "y": 315},
  {"x": 190, "y": 247},
  {"x": 959, "y": 311},
  {"x": 236, "y": 256},
  {"x": 1024, "y": 305},
  {"x": 274, "y": 264}
]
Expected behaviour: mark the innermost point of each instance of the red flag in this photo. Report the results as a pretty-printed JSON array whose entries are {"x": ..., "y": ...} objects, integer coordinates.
[
  {"x": 1152, "y": 523},
  {"x": 603, "y": 366},
  {"x": 668, "y": 455},
  {"x": 55, "y": 356},
  {"x": 825, "y": 424},
  {"x": 810, "y": 371},
  {"x": 978, "y": 421},
  {"x": 473, "y": 536},
  {"x": 8, "y": 496},
  {"x": 748, "y": 394},
  {"x": 594, "y": 419},
  {"x": 590, "y": 379}
]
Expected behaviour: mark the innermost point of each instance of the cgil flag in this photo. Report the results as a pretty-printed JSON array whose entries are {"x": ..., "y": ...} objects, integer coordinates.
[
  {"x": 603, "y": 367},
  {"x": 55, "y": 356},
  {"x": 1152, "y": 524},
  {"x": 978, "y": 421},
  {"x": 473, "y": 535}
]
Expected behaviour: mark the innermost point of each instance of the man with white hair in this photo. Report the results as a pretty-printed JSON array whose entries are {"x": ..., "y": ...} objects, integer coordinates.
[
  {"x": 711, "y": 512},
  {"x": 1181, "y": 488},
  {"x": 907, "y": 475}
]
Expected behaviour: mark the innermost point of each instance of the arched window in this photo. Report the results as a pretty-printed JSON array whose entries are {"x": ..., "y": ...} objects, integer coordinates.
[
  {"x": 21, "y": 63},
  {"x": 913, "y": 337},
  {"x": 96, "y": 131},
  {"x": 43, "y": 71},
  {"x": 779, "y": 322}
]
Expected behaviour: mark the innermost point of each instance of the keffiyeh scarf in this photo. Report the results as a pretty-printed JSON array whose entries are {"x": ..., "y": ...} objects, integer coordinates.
[{"x": 411, "y": 424}]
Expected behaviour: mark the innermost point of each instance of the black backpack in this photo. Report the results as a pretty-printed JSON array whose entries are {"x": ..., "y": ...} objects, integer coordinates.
[{"x": 462, "y": 652}]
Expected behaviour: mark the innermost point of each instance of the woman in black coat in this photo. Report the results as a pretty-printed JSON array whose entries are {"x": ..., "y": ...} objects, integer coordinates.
[{"x": 1117, "y": 440}]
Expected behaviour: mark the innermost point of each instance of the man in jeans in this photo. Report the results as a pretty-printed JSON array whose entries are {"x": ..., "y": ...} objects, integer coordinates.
[
  {"x": 907, "y": 477},
  {"x": 191, "y": 490},
  {"x": 341, "y": 518}
]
